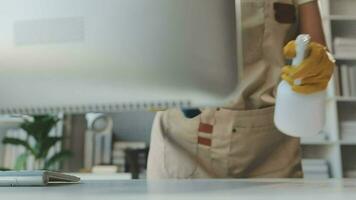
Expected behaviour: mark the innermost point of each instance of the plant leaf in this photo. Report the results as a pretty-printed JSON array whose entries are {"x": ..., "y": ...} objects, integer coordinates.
[
  {"x": 48, "y": 143},
  {"x": 40, "y": 127},
  {"x": 21, "y": 162},
  {"x": 19, "y": 142},
  {"x": 57, "y": 158}
]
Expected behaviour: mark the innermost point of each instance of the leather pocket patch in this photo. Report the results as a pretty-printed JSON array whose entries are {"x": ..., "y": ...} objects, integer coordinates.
[{"x": 285, "y": 13}]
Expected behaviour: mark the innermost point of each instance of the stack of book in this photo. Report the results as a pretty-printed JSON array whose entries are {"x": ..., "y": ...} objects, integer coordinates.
[
  {"x": 319, "y": 138},
  {"x": 348, "y": 130},
  {"x": 347, "y": 80},
  {"x": 351, "y": 173},
  {"x": 315, "y": 169},
  {"x": 345, "y": 47},
  {"x": 119, "y": 155}
]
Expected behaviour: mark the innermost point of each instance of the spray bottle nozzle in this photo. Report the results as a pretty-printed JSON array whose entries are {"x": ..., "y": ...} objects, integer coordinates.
[{"x": 302, "y": 49}]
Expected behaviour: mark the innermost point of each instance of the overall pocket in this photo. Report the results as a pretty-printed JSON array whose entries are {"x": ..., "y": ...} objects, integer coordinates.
[
  {"x": 180, "y": 144},
  {"x": 259, "y": 149}
]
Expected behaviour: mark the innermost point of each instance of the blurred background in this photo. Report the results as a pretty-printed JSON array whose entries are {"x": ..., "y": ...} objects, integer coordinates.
[
  {"x": 117, "y": 144},
  {"x": 89, "y": 143}
]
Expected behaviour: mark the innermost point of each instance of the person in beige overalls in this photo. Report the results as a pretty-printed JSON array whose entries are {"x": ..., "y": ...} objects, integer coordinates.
[{"x": 240, "y": 140}]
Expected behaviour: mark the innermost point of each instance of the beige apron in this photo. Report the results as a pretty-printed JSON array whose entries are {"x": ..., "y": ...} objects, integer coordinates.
[{"x": 239, "y": 141}]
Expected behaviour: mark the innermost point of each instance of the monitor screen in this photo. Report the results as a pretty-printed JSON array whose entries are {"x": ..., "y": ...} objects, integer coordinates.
[{"x": 80, "y": 56}]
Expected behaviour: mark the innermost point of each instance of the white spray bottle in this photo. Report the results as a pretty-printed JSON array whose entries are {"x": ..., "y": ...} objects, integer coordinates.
[{"x": 299, "y": 115}]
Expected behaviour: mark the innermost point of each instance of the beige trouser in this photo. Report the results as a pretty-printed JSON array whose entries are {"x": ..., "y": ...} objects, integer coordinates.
[
  {"x": 221, "y": 143},
  {"x": 242, "y": 141}
]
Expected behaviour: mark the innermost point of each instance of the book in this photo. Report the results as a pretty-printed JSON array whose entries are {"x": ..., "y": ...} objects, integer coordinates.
[
  {"x": 348, "y": 130},
  {"x": 345, "y": 84},
  {"x": 310, "y": 161},
  {"x": 342, "y": 41},
  {"x": 118, "y": 153},
  {"x": 315, "y": 168},
  {"x": 352, "y": 76},
  {"x": 337, "y": 81},
  {"x": 350, "y": 173},
  {"x": 118, "y": 161},
  {"x": 321, "y": 137},
  {"x": 107, "y": 151},
  {"x": 98, "y": 149},
  {"x": 345, "y": 47}
]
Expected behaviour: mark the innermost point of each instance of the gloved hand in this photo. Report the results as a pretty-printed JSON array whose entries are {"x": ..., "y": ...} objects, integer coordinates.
[{"x": 313, "y": 74}]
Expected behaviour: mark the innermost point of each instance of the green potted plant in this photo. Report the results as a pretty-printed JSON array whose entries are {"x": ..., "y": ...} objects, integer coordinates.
[{"x": 38, "y": 132}]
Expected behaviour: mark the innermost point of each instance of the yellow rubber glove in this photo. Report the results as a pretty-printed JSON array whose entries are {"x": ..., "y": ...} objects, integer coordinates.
[{"x": 315, "y": 72}]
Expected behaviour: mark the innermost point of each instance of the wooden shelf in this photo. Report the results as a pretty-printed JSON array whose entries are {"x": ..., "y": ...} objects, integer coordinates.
[
  {"x": 321, "y": 143},
  {"x": 341, "y": 17},
  {"x": 345, "y": 58},
  {"x": 329, "y": 143},
  {"x": 345, "y": 99},
  {"x": 342, "y": 99},
  {"x": 339, "y": 21},
  {"x": 348, "y": 143}
]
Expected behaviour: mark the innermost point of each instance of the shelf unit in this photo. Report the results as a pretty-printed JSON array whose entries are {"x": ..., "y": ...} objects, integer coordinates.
[{"x": 339, "y": 20}]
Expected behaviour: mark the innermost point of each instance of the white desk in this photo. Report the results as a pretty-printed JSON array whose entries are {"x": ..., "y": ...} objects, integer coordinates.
[{"x": 186, "y": 190}]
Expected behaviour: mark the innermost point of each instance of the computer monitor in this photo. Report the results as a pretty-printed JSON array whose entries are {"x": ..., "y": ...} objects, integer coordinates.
[{"x": 113, "y": 55}]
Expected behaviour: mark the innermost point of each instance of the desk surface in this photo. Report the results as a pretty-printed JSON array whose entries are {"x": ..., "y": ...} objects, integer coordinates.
[{"x": 189, "y": 189}]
